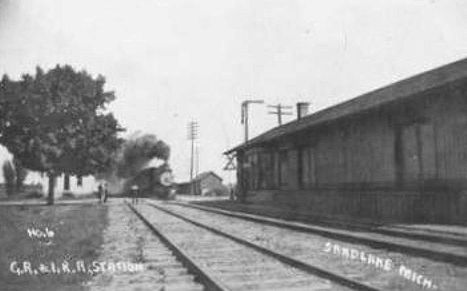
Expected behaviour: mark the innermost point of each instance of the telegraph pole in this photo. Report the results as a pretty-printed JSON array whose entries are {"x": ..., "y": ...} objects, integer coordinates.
[
  {"x": 192, "y": 135},
  {"x": 197, "y": 161},
  {"x": 280, "y": 111},
  {"x": 245, "y": 114}
]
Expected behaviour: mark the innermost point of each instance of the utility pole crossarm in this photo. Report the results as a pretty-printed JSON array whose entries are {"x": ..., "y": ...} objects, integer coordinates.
[
  {"x": 283, "y": 113},
  {"x": 281, "y": 106},
  {"x": 280, "y": 111}
]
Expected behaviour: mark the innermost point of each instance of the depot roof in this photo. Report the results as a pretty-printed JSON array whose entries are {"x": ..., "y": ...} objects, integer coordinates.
[{"x": 395, "y": 92}]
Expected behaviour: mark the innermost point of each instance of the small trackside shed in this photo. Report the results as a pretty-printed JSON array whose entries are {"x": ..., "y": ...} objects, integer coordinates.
[
  {"x": 398, "y": 153},
  {"x": 206, "y": 182},
  {"x": 202, "y": 184}
]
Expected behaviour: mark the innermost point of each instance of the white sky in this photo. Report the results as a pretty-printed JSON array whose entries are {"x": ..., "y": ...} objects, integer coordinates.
[{"x": 170, "y": 61}]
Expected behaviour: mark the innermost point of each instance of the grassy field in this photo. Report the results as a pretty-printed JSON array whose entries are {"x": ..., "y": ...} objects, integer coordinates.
[{"x": 45, "y": 238}]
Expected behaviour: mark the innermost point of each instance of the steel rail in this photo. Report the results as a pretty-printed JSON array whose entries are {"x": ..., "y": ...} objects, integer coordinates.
[
  {"x": 280, "y": 257},
  {"x": 209, "y": 282},
  {"x": 433, "y": 254}
]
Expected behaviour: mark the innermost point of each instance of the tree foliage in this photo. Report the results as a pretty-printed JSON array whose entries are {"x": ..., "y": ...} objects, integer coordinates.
[{"x": 56, "y": 122}]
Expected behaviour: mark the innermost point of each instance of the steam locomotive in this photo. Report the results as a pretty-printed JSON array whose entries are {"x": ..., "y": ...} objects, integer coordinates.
[{"x": 154, "y": 182}]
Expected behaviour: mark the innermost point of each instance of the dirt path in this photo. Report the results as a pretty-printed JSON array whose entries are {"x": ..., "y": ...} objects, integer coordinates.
[{"x": 122, "y": 253}]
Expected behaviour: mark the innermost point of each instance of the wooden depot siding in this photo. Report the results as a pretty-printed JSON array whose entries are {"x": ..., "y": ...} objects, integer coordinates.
[
  {"x": 370, "y": 151},
  {"x": 406, "y": 161},
  {"x": 451, "y": 122},
  {"x": 361, "y": 154}
]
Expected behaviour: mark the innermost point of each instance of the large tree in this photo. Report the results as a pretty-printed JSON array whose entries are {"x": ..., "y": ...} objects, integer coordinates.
[
  {"x": 9, "y": 177},
  {"x": 56, "y": 122},
  {"x": 21, "y": 173}
]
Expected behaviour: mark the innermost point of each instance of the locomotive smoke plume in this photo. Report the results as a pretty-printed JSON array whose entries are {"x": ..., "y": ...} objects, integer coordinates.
[
  {"x": 135, "y": 154},
  {"x": 138, "y": 151}
]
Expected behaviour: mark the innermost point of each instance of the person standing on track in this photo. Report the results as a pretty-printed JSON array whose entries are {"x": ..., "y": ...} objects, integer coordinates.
[
  {"x": 134, "y": 194},
  {"x": 100, "y": 192},
  {"x": 106, "y": 192}
]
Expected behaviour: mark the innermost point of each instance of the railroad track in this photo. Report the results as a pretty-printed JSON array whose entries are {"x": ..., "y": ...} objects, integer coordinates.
[
  {"x": 166, "y": 271},
  {"x": 437, "y": 236},
  {"x": 332, "y": 255},
  {"x": 412, "y": 244},
  {"x": 222, "y": 261},
  {"x": 179, "y": 260}
]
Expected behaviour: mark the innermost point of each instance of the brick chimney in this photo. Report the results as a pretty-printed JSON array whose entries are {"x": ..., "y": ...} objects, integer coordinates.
[{"x": 302, "y": 109}]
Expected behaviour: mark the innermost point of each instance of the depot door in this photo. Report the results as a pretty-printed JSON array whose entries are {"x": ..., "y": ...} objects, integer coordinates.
[{"x": 418, "y": 154}]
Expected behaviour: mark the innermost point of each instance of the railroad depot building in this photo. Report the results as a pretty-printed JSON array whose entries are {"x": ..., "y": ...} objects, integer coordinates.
[{"x": 398, "y": 153}]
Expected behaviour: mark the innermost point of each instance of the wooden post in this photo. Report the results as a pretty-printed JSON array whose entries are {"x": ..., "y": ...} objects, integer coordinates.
[
  {"x": 50, "y": 197},
  {"x": 66, "y": 182}
]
